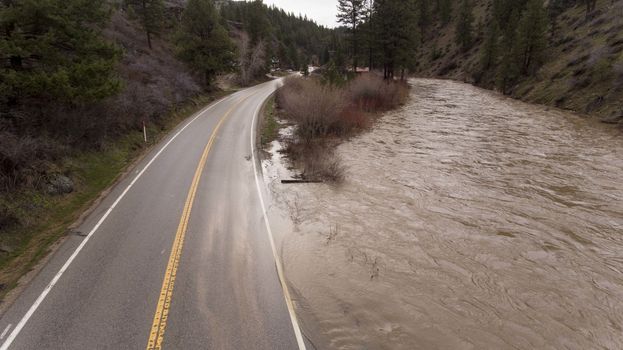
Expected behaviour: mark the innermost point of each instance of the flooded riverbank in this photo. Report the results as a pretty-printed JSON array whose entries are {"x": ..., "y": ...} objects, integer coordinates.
[{"x": 467, "y": 221}]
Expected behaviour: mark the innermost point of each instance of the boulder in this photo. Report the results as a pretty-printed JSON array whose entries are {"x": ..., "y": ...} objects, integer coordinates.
[{"x": 60, "y": 184}]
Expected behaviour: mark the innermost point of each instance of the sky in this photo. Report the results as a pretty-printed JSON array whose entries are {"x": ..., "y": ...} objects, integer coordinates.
[{"x": 321, "y": 11}]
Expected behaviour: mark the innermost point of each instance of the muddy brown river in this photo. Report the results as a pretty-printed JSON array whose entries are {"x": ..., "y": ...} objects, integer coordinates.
[{"x": 467, "y": 221}]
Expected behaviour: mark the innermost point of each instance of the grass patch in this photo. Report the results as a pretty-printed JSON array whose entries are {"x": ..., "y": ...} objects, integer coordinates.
[
  {"x": 42, "y": 219},
  {"x": 270, "y": 126}
]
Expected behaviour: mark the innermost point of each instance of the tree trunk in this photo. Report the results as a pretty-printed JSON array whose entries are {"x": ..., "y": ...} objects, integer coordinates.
[
  {"x": 354, "y": 40},
  {"x": 149, "y": 40},
  {"x": 145, "y": 24},
  {"x": 590, "y": 6},
  {"x": 370, "y": 29}
]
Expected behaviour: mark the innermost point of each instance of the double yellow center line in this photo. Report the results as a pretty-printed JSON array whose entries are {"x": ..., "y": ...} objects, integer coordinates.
[{"x": 156, "y": 335}]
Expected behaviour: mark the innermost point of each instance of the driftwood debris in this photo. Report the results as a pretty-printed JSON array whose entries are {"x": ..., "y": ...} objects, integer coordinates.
[{"x": 301, "y": 181}]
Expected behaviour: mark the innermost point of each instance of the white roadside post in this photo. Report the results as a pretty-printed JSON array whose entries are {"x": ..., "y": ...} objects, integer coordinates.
[{"x": 144, "y": 131}]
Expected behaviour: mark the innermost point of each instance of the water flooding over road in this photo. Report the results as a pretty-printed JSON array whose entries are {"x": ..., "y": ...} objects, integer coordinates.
[{"x": 467, "y": 221}]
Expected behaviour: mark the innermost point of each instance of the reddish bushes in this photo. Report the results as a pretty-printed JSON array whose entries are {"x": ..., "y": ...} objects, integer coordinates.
[
  {"x": 372, "y": 94},
  {"x": 320, "y": 110},
  {"x": 323, "y": 111},
  {"x": 351, "y": 118}
]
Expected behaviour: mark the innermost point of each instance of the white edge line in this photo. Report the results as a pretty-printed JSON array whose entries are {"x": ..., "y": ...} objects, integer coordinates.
[
  {"x": 60, "y": 273},
  {"x": 284, "y": 286}
]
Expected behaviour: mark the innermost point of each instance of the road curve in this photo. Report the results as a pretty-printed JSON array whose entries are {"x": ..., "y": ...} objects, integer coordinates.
[{"x": 177, "y": 256}]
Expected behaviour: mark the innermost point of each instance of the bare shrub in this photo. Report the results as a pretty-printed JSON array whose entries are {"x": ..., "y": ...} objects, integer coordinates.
[
  {"x": 314, "y": 107},
  {"x": 352, "y": 118},
  {"x": 316, "y": 160},
  {"x": 365, "y": 92},
  {"x": 24, "y": 160},
  {"x": 371, "y": 93},
  {"x": 7, "y": 218},
  {"x": 252, "y": 59},
  {"x": 291, "y": 84}
]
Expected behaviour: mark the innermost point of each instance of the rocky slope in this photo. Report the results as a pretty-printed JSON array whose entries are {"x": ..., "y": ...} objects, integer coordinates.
[{"x": 583, "y": 70}]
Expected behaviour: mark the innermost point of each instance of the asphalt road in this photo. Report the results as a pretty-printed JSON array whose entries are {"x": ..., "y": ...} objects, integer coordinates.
[{"x": 177, "y": 256}]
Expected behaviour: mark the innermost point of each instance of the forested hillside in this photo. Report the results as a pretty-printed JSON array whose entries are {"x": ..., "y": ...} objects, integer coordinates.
[
  {"x": 289, "y": 40},
  {"x": 79, "y": 79},
  {"x": 564, "y": 53}
]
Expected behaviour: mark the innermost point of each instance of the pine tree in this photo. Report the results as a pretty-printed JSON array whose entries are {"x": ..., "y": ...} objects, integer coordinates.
[
  {"x": 490, "y": 48},
  {"x": 202, "y": 42},
  {"x": 305, "y": 68},
  {"x": 370, "y": 35},
  {"x": 287, "y": 36},
  {"x": 590, "y": 6},
  {"x": 151, "y": 15},
  {"x": 352, "y": 13},
  {"x": 256, "y": 21},
  {"x": 506, "y": 12},
  {"x": 510, "y": 64},
  {"x": 554, "y": 9},
  {"x": 293, "y": 57},
  {"x": 397, "y": 34},
  {"x": 464, "y": 26},
  {"x": 55, "y": 52},
  {"x": 444, "y": 10},
  {"x": 532, "y": 37},
  {"x": 423, "y": 14}
]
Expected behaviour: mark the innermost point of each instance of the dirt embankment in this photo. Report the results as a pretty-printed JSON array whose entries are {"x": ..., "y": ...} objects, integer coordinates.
[
  {"x": 466, "y": 220},
  {"x": 583, "y": 70}
]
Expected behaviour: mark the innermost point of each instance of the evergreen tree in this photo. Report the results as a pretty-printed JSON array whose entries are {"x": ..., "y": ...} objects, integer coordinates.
[
  {"x": 510, "y": 67},
  {"x": 151, "y": 15},
  {"x": 54, "y": 51},
  {"x": 305, "y": 68},
  {"x": 282, "y": 34},
  {"x": 506, "y": 12},
  {"x": 326, "y": 56},
  {"x": 352, "y": 13},
  {"x": 423, "y": 14},
  {"x": 339, "y": 56},
  {"x": 397, "y": 34},
  {"x": 369, "y": 29},
  {"x": 590, "y": 6},
  {"x": 444, "y": 11},
  {"x": 532, "y": 36},
  {"x": 256, "y": 21},
  {"x": 490, "y": 48},
  {"x": 464, "y": 26},
  {"x": 554, "y": 9},
  {"x": 202, "y": 42},
  {"x": 293, "y": 56}
]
